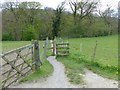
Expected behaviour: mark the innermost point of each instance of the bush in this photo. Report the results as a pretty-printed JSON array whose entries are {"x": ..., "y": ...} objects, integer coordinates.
[
  {"x": 29, "y": 33},
  {"x": 27, "y": 36},
  {"x": 7, "y": 37}
]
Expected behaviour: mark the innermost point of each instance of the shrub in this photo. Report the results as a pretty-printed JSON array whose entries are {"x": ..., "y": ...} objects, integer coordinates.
[{"x": 7, "y": 37}]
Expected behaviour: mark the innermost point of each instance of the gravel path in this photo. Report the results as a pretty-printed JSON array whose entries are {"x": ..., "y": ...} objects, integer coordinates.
[
  {"x": 57, "y": 80},
  {"x": 95, "y": 81}
]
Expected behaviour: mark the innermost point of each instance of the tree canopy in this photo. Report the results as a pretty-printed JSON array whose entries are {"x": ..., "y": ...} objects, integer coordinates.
[{"x": 27, "y": 20}]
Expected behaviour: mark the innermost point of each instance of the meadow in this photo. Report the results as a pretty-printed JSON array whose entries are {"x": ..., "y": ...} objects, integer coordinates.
[{"x": 106, "y": 51}]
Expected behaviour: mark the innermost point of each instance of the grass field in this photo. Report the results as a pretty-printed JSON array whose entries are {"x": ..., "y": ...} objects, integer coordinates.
[
  {"x": 9, "y": 45},
  {"x": 106, "y": 52},
  {"x": 81, "y": 52}
]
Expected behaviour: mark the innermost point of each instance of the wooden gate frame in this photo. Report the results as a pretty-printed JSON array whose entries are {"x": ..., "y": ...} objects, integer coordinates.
[
  {"x": 62, "y": 49},
  {"x": 35, "y": 65}
]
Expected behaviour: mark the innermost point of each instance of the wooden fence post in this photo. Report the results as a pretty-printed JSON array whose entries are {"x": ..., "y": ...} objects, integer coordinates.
[
  {"x": 36, "y": 55},
  {"x": 1, "y": 79},
  {"x": 33, "y": 66},
  {"x": 45, "y": 47},
  {"x": 94, "y": 52},
  {"x": 54, "y": 47}
]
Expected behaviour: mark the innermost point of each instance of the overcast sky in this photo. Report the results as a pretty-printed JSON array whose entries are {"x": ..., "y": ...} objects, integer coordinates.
[{"x": 54, "y": 3}]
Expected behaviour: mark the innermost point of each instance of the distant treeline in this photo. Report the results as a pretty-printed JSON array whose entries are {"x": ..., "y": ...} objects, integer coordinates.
[{"x": 26, "y": 21}]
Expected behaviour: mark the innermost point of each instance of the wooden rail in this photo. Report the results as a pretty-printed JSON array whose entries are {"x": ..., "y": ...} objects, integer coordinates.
[
  {"x": 62, "y": 49},
  {"x": 19, "y": 62}
]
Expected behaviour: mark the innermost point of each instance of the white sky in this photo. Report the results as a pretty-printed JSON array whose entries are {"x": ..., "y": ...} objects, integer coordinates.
[{"x": 54, "y": 3}]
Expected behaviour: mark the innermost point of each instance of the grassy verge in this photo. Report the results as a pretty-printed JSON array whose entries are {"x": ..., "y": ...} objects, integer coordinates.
[
  {"x": 74, "y": 70},
  {"x": 45, "y": 70},
  {"x": 107, "y": 71}
]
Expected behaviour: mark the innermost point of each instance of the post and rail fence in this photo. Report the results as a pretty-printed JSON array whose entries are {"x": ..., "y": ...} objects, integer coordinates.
[{"x": 60, "y": 48}]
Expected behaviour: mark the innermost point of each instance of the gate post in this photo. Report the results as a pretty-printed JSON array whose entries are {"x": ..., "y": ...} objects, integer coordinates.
[
  {"x": 54, "y": 47},
  {"x": 36, "y": 55},
  {"x": 45, "y": 47}
]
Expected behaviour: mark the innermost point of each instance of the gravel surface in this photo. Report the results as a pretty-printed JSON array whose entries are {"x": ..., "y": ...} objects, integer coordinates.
[
  {"x": 95, "y": 81},
  {"x": 59, "y": 80}
]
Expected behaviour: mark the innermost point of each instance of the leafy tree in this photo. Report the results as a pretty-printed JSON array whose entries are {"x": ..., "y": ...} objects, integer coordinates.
[
  {"x": 26, "y": 21},
  {"x": 57, "y": 20},
  {"x": 24, "y": 14}
]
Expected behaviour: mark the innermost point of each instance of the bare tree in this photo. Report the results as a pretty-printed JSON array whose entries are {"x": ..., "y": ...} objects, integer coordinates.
[
  {"x": 107, "y": 17},
  {"x": 74, "y": 8},
  {"x": 82, "y": 8}
]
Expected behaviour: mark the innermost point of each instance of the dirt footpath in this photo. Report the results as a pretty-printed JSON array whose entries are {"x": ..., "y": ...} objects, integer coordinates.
[
  {"x": 93, "y": 80},
  {"x": 59, "y": 80}
]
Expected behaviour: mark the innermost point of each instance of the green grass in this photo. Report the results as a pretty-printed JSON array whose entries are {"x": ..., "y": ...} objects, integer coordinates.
[
  {"x": 107, "y": 49},
  {"x": 106, "y": 59},
  {"x": 45, "y": 70},
  {"x": 73, "y": 69},
  {"x": 9, "y": 45}
]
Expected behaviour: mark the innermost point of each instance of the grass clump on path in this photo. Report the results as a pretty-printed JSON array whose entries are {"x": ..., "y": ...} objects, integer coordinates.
[{"x": 73, "y": 70}]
